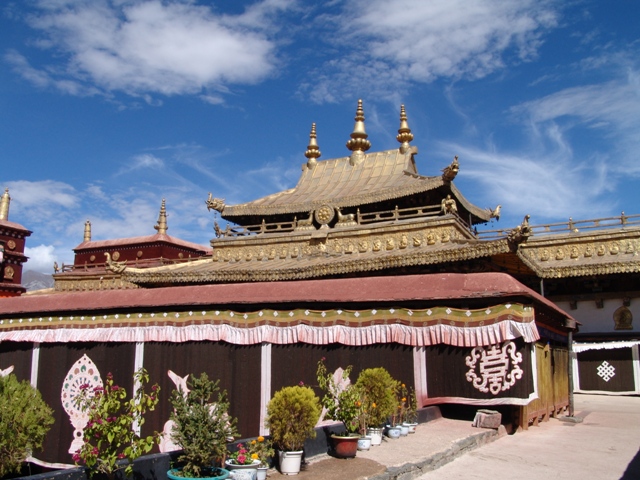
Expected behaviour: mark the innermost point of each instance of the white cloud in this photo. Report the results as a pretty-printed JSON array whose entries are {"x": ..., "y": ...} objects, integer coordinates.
[
  {"x": 609, "y": 111},
  {"x": 41, "y": 258},
  {"x": 396, "y": 42},
  {"x": 549, "y": 184},
  {"x": 148, "y": 46}
]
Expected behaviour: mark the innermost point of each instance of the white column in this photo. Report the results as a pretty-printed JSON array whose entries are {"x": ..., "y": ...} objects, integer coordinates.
[
  {"x": 265, "y": 384},
  {"x": 35, "y": 363}
]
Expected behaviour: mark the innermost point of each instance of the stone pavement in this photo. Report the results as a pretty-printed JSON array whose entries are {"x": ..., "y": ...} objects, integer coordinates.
[
  {"x": 605, "y": 445},
  {"x": 434, "y": 444}
]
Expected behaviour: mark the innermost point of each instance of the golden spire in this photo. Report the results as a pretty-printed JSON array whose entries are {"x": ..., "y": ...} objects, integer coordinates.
[
  {"x": 4, "y": 205},
  {"x": 312, "y": 153},
  {"x": 404, "y": 132},
  {"x": 87, "y": 231},
  {"x": 358, "y": 143},
  {"x": 161, "y": 226}
]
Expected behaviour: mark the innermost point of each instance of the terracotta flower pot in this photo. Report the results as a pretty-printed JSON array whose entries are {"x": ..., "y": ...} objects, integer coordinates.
[{"x": 345, "y": 447}]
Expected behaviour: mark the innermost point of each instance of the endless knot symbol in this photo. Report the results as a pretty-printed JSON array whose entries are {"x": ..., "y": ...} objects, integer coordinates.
[
  {"x": 606, "y": 371},
  {"x": 495, "y": 374}
]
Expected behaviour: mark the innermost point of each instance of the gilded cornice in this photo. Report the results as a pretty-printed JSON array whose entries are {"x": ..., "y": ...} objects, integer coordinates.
[
  {"x": 338, "y": 258},
  {"x": 81, "y": 283},
  {"x": 578, "y": 254}
]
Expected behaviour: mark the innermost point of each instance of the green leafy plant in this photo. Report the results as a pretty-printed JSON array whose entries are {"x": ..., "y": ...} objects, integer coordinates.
[
  {"x": 25, "y": 419},
  {"x": 201, "y": 428},
  {"x": 342, "y": 402},
  {"x": 292, "y": 415},
  {"x": 109, "y": 437},
  {"x": 378, "y": 389},
  {"x": 412, "y": 407},
  {"x": 402, "y": 400},
  {"x": 261, "y": 449}
]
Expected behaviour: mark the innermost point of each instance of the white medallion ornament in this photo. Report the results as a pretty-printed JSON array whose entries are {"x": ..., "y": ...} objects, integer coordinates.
[
  {"x": 494, "y": 369},
  {"x": 83, "y": 372}
]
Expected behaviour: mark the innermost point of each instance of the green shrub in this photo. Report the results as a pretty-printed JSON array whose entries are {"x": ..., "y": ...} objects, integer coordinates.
[
  {"x": 25, "y": 420},
  {"x": 201, "y": 428},
  {"x": 379, "y": 392},
  {"x": 292, "y": 415}
]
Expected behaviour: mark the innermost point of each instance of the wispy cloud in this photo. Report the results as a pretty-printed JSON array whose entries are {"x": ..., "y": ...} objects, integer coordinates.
[
  {"x": 394, "y": 43},
  {"x": 150, "y": 47}
]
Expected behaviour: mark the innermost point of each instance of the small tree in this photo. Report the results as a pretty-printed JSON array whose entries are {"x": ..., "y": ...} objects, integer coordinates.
[
  {"x": 109, "y": 436},
  {"x": 201, "y": 428},
  {"x": 25, "y": 419},
  {"x": 342, "y": 401},
  {"x": 292, "y": 415}
]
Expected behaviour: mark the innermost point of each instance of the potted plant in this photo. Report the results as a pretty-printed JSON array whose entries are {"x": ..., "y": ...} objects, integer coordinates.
[
  {"x": 201, "y": 428},
  {"x": 412, "y": 411},
  {"x": 342, "y": 403},
  {"x": 262, "y": 449},
  {"x": 378, "y": 389},
  {"x": 292, "y": 414},
  {"x": 364, "y": 442},
  {"x": 110, "y": 440},
  {"x": 403, "y": 409},
  {"x": 25, "y": 419},
  {"x": 243, "y": 463}
]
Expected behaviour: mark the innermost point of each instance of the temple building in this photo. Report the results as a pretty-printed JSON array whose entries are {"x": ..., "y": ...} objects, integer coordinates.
[
  {"x": 365, "y": 262},
  {"x": 12, "y": 258}
]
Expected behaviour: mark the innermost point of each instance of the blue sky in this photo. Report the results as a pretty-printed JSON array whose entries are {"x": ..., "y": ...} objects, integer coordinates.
[{"x": 106, "y": 107}]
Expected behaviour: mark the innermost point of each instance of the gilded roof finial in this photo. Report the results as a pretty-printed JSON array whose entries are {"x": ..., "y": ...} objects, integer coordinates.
[
  {"x": 4, "y": 205},
  {"x": 358, "y": 143},
  {"x": 161, "y": 226},
  {"x": 404, "y": 132},
  {"x": 87, "y": 231},
  {"x": 313, "y": 152}
]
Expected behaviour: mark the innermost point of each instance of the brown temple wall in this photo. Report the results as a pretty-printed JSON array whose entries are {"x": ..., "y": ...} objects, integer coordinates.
[
  {"x": 238, "y": 368},
  {"x": 292, "y": 364}
]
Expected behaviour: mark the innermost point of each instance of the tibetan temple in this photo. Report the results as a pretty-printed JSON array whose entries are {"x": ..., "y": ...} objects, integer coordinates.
[{"x": 365, "y": 262}]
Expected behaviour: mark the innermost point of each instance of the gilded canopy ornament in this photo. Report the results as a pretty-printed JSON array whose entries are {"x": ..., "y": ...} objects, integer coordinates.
[{"x": 358, "y": 143}]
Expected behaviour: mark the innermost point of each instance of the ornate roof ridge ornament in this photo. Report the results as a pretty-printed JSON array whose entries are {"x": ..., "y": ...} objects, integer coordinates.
[
  {"x": 404, "y": 132},
  {"x": 161, "y": 226},
  {"x": 5, "y": 200},
  {"x": 449, "y": 172},
  {"x": 358, "y": 143},
  {"x": 313, "y": 152},
  {"x": 521, "y": 233},
  {"x": 87, "y": 231}
]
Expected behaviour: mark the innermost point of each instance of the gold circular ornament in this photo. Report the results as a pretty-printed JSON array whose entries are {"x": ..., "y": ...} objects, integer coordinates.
[
  {"x": 324, "y": 214},
  {"x": 11, "y": 244},
  {"x": 92, "y": 258},
  {"x": 115, "y": 255},
  {"x": 139, "y": 254}
]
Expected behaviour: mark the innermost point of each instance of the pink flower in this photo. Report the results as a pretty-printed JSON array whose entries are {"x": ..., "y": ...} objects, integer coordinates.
[
  {"x": 76, "y": 457},
  {"x": 301, "y": 383},
  {"x": 115, "y": 388},
  {"x": 121, "y": 456},
  {"x": 94, "y": 451}
]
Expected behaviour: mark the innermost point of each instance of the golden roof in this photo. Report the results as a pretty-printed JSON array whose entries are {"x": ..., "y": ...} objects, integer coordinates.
[{"x": 381, "y": 176}]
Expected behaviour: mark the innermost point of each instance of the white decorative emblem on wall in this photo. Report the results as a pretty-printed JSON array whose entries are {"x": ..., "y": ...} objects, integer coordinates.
[
  {"x": 84, "y": 371},
  {"x": 494, "y": 369},
  {"x": 606, "y": 371},
  {"x": 166, "y": 443}
]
